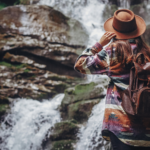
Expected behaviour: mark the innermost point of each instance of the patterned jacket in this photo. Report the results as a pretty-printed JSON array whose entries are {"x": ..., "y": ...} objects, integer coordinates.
[{"x": 130, "y": 130}]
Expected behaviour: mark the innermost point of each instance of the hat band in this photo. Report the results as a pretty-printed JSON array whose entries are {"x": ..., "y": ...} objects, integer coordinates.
[{"x": 125, "y": 31}]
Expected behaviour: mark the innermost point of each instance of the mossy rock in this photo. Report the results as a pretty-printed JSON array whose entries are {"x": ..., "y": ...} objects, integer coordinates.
[
  {"x": 81, "y": 111},
  {"x": 109, "y": 11},
  {"x": 140, "y": 10},
  {"x": 3, "y": 109},
  {"x": 64, "y": 130},
  {"x": 4, "y": 100},
  {"x": 84, "y": 91},
  {"x": 63, "y": 145}
]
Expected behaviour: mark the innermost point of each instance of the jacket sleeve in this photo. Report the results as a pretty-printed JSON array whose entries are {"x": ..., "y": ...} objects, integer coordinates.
[{"x": 93, "y": 60}]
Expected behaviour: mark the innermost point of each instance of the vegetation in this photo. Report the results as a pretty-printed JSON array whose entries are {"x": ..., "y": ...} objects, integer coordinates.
[
  {"x": 2, "y": 5},
  {"x": 12, "y": 66},
  {"x": 5, "y": 3}
]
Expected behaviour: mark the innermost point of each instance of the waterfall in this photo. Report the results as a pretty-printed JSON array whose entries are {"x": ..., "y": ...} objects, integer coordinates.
[
  {"x": 88, "y": 12},
  {"x": 90, "y": 136},
  {"x": 28, "y": 123}
]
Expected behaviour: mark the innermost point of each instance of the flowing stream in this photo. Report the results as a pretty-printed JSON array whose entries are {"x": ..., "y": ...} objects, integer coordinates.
[{"x": 28, "y": 123}]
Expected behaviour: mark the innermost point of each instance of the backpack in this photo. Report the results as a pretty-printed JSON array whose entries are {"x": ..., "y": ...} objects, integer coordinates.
[{"x": 136, "y": 98}]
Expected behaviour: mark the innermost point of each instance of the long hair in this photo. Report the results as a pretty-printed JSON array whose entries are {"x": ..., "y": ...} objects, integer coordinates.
[{"x": 124, "y": 55}]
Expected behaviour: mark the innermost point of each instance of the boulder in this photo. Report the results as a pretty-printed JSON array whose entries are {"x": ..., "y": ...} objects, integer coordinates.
[
  {"x": 141, "y": 10},
  {"x": 65, "y": 130},
  {"x": 109, "y": 11},
  {"x": 81, "y": 111},
  {"x": 53, "y": 40},
  {"x": 63, "y": 145},
  {"x": 4, "y": 108},
  {"x": 83, "y": 91},
  {"x": 28, "y": 81}
]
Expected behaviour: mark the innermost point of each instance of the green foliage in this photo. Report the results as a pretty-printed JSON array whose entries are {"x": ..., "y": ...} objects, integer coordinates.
[
  {"x": 2, "y": 5},
  {"x": 12, "y": 66},
  {"x": 3, "y": 107},
  {"x": 23, "y": 2},
  {"x": 26, "y": 70},
  {"x": 83, "y": 88}
]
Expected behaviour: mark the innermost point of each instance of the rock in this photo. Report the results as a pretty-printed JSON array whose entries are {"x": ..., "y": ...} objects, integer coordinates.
[
  {"x": 109, "y": 11},
  {"x": 84, "y": 91},
  {"x": 141, "y": 10},
  {"x": 21, "y": 59},
  {"x": 135, "y": 2},
  {"x": 81, "y": 111},
  {"x": 53, "y": 40},
  {"x": 65, "y": 130},
  {"x": 4, "y": 108},
  {"x": 63, "y": 145},
  {"x": 114, "y": 2},
  {"x": 25, "y": 80}
]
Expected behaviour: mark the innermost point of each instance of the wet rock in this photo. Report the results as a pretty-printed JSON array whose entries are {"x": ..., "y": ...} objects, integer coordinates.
[
  {"x": 63, "y": 145},
  {"x": 114, "y": 2},
  {"x": 109, "y": 11},
  {"x": 53, "y": 40},
  {"x": 81, "y": 111},
  {"x": 84, "y": 91},
  {"x": 4, "y": 108},
  {"x": 141, "y": 10},
  {"x": 25, "y": 80},
  {"x": 21, "y": 59},
  {"x": 65, "y": 130}
]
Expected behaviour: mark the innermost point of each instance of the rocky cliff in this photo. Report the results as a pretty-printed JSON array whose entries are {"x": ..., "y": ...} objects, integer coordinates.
[{"x": 38, "y": 47}]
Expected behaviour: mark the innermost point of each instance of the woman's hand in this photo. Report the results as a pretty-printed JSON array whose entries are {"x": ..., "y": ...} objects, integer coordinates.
[{"x": 105, "y": 39}]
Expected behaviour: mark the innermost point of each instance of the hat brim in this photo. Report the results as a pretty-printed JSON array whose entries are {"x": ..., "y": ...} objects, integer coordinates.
[{"x": 141, "y": 27}]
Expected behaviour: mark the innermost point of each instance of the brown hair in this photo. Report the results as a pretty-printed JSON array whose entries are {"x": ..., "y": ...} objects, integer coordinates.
[{"x": 124, "y": 54}]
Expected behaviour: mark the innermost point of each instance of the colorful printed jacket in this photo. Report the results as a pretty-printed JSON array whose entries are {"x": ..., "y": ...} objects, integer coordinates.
[{"x": 130, "y": 130}]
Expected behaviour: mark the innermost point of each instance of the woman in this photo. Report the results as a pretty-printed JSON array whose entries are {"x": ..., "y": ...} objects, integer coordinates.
[{"x": 124, "y": 131}]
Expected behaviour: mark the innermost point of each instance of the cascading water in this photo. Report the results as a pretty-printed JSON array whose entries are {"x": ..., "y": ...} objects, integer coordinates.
[
  {"x": 28, "y": 123},
  {"x": 90, "y": 136},
  {"x": 89, "y": 13}
]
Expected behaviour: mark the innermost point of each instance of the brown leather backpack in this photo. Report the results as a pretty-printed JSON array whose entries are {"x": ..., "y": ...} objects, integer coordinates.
[{"x": 136, "y": 99}]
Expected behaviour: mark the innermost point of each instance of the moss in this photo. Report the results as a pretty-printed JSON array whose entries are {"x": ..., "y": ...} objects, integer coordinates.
[
  {"x": 23, "y": 2},
  {"x": 2, "y": 5},
  {"x": 63, "y": 145},
  {"x": 5, "y": 64},
  {"x": 65, "y": 130},
  {"x": 27, "y": 70},
  {"x": 42, "y": 96},
  {"x": 12, "y": 66},
  {"x": 80, "y": 111},
  {"x": 3, "y": 108},
  {"x": 83, "y": 88}
]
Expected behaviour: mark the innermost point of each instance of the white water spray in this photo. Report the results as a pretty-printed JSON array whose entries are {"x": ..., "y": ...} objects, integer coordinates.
[
  {"x": 28, "y": 123},
  {"x": 88, "y": 12}
]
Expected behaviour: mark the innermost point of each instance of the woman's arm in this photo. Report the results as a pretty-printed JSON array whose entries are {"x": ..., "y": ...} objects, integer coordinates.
[{"x": 94, "y": 60}]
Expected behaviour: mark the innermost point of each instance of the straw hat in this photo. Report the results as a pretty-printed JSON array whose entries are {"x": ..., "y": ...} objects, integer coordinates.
[{"x": 125, "y": 24}]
